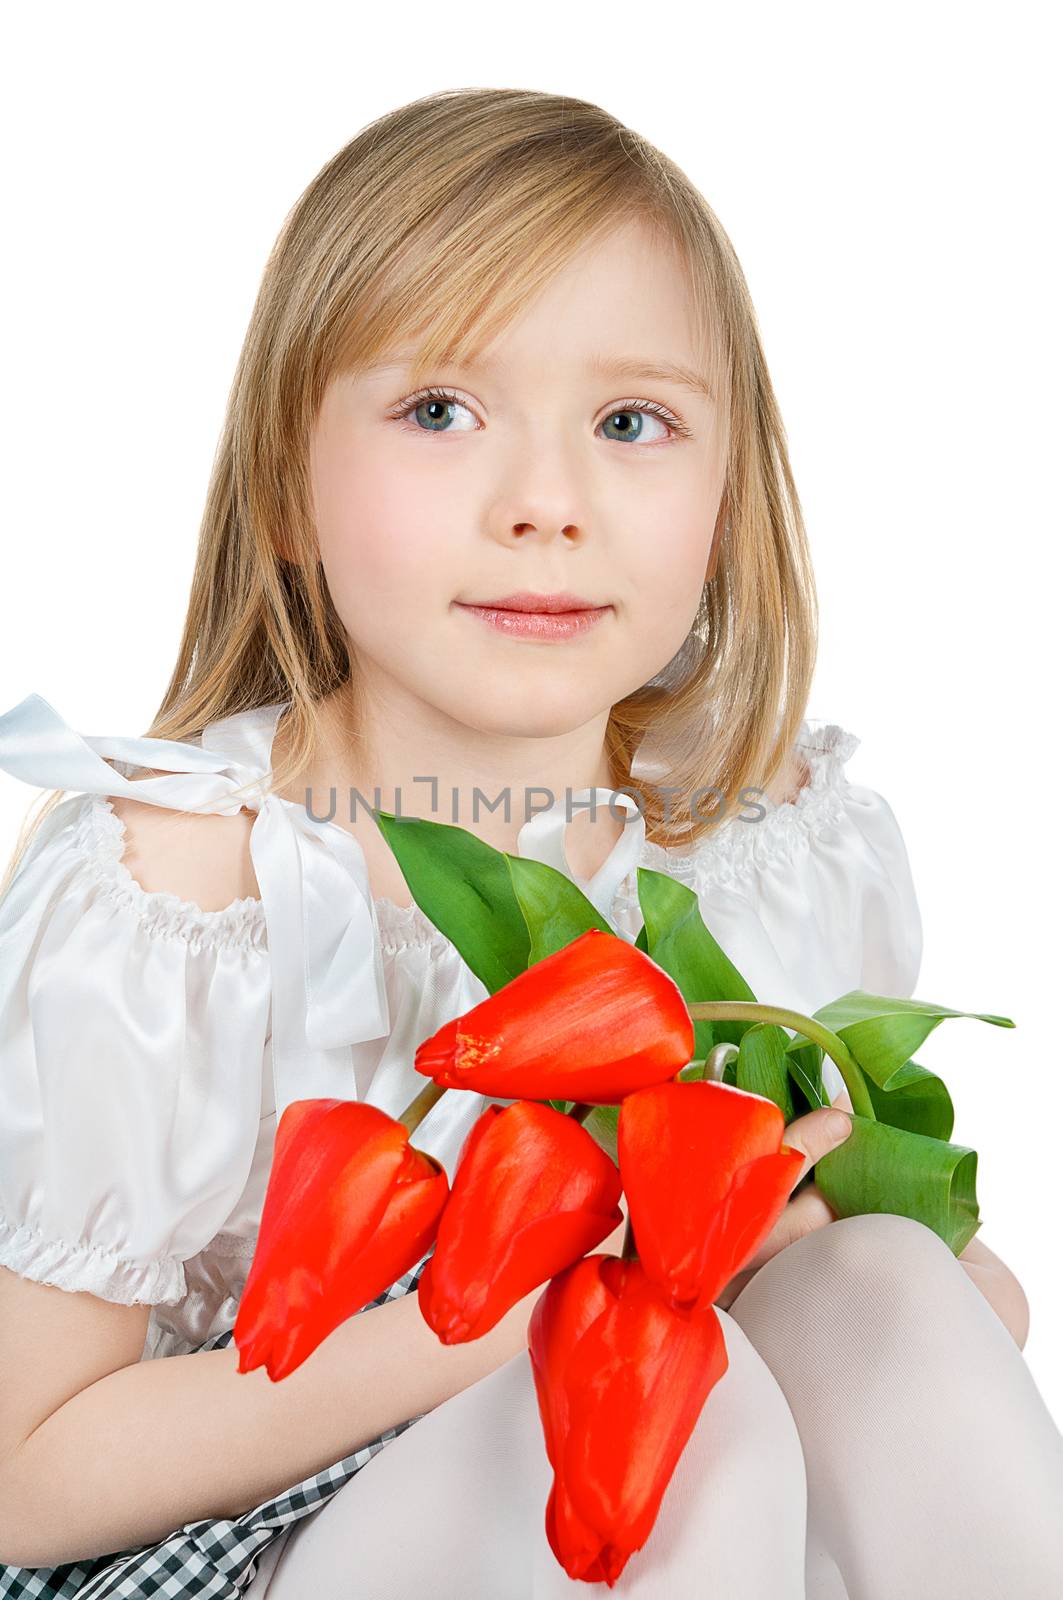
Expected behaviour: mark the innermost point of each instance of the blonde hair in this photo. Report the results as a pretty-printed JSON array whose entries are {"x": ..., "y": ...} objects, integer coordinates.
[{"x": 464, "y": 203}]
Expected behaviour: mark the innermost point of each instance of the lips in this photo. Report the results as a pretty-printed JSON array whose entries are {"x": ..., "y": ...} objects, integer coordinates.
[
  {"x": 543, "y": 604},
  {"x": 538, "y": 624}
]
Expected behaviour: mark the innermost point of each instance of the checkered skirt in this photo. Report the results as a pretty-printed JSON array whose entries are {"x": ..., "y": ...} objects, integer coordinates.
[{"x": 215, "y": 1557}]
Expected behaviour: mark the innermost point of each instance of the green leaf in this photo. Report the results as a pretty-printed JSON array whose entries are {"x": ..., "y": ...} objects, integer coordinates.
[
  {"x": 884, "y": 1168},
  {"x": 640, "y": 942},
  {"x": 806, "y": 1072},
  {"x": 883, "y": 1032},
  {"x": 761, "y": 1067},
  {"x": 602, "y": 1125},
  {"x": 555, "y": 910},
  {"x": 678, "y": 940},
  {"x": 916, "y": 1099},
  {"x": 464, "y": 887}
]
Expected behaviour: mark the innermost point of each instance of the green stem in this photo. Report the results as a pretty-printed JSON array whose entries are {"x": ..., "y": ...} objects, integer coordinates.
[
  {"x": 421, "y": 1105},
  {"x": 829, "y": 1043}
]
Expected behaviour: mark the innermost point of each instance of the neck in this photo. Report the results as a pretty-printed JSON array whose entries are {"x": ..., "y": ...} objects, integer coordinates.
[{"x": 411, "y": 760}]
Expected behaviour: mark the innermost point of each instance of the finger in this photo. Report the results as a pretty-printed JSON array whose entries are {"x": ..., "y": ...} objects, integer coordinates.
[{"x": 815, "y": 1135}]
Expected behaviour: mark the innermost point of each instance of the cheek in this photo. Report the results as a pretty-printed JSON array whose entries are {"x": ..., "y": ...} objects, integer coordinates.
[
  {"x": 382, "y": 548},
  {"x": 669, "y": 557}
]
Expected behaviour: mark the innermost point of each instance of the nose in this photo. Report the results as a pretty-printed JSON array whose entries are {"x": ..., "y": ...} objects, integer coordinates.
[
  {"x": 528, "y": 530},
  {"x": 541, "y": 495}
]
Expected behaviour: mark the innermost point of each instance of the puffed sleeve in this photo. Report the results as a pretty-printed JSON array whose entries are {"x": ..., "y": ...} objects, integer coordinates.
[
  {"x": 855, "y": 872},
  {"x": 133, "y": 1027},
  {"x": 891, "y": 928}
]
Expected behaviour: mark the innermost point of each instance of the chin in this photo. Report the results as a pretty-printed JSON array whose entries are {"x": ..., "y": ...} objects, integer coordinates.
[
  {"x": 537, "y": 725},
  {"x": 527, "y": 710}
]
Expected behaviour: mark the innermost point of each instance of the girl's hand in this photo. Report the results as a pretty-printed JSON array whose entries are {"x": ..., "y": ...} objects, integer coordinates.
[{"x": 814, "y": 1135}]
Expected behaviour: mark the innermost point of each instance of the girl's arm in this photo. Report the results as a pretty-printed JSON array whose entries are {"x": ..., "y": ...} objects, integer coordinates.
[
  {"x": 991, "y": 1277},
  {"x": 173, "y": 1439}
]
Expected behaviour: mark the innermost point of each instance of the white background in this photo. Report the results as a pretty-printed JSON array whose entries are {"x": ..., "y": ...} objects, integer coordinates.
[{"x": 888, "y": 178}]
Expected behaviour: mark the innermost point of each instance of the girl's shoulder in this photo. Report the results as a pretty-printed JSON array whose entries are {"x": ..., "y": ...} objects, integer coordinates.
[
  {"x": 153, "y": 828},
  {"x": 814, "y": 891},
  {"x": 816, "y": 800},
  {"x": 185, "y": 844}
]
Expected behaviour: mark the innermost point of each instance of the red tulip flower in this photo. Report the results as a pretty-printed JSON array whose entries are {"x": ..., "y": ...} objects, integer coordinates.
[
  {"x": 621, "y": 1379},
  {"x": 590, "y": 1023},
  {"x": 350, "y": 1206},
  {"x": 532, "y": 1193},
  {"x": 706, "y": 1177}
]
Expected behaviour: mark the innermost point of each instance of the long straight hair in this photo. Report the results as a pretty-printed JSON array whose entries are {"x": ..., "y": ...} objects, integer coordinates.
[{"x": 463, "y": 204}]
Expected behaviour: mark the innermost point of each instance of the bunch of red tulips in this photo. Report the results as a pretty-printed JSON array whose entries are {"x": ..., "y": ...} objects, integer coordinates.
[{"x": 624, "y": 1349}]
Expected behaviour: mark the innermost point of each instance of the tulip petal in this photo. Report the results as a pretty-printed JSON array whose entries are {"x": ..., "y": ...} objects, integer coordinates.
[
  {"x": 591, "y": 1023},
  {"x": 349, "y": 1207},
  {"x": 636, "y": 1383},
  {"x": 621, "y": 1379},
  {"x": 467, "y": 1309},
  {"x": 564, "y": 1311},
  {"x": 532, "y": 1193},
  {"x": 706, "y": 1178},
  {"x": 757, "y": 1198}
]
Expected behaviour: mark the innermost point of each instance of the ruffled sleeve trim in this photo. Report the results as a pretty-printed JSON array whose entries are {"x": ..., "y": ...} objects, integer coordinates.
[
  {"x": 736, "y": 850},
  {"x": 79, "y": 1267},
  {"x": 100, "y": 842}
]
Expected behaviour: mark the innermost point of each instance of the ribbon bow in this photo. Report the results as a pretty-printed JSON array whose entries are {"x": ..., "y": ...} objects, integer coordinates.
[
  {"x": 327, "y": 976},
  {"x": 326, "y": 964}
]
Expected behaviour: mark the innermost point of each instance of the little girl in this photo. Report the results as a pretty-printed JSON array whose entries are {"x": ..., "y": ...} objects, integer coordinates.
[{"x": 503, "y": 513}]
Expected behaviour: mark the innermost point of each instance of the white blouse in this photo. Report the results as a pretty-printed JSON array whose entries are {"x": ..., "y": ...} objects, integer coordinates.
[{"x": 147, "y": 1047}]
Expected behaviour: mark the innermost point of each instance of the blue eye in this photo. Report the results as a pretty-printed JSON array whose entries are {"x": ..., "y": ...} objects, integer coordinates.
[
  {"x": 434, "y": 411},
  {"x": 430, "y": 401},
  {"x": 633, "y": 434}
]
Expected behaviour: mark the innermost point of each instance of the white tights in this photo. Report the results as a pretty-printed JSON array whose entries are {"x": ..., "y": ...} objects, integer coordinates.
[{"x": 877, "y": 1435}]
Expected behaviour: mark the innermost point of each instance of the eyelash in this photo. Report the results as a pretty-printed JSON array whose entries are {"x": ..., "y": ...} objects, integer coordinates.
[{"x": 448, "y": 397}]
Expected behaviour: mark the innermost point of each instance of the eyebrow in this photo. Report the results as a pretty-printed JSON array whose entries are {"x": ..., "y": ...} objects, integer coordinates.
[
  {"x": 655, "y": 371},
  {"x": 633, "y": 367}
]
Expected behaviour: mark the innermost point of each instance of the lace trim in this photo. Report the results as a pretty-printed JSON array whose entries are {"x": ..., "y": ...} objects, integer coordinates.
[
  {"x": 725, "y": 858},
  {"x": 87, "y": 1267},
  {"x": 100, "y": 837},
  {"x": 738, "y": 849},
  {"x": 404, "y": 926}
]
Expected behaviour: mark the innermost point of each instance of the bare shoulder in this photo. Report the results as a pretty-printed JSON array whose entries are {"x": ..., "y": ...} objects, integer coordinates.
[{"x": 202, "y": 859}]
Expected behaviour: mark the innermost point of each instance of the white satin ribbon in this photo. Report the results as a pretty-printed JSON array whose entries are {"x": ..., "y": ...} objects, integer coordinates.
[
  {"x": 326, "y": 965},
  {"x": 326, "y": 961},
  {"x": 543, "y": 838}
]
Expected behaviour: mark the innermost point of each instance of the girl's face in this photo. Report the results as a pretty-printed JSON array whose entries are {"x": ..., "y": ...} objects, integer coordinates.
[{"x": 544, "y": 468}]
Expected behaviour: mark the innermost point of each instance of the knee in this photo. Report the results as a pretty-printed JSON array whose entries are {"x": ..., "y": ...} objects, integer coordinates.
[
  {"x": 879, "y": 1272},
  {"x": 878, "y": 1267},
  {"x": 883, "y": 1252}
]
